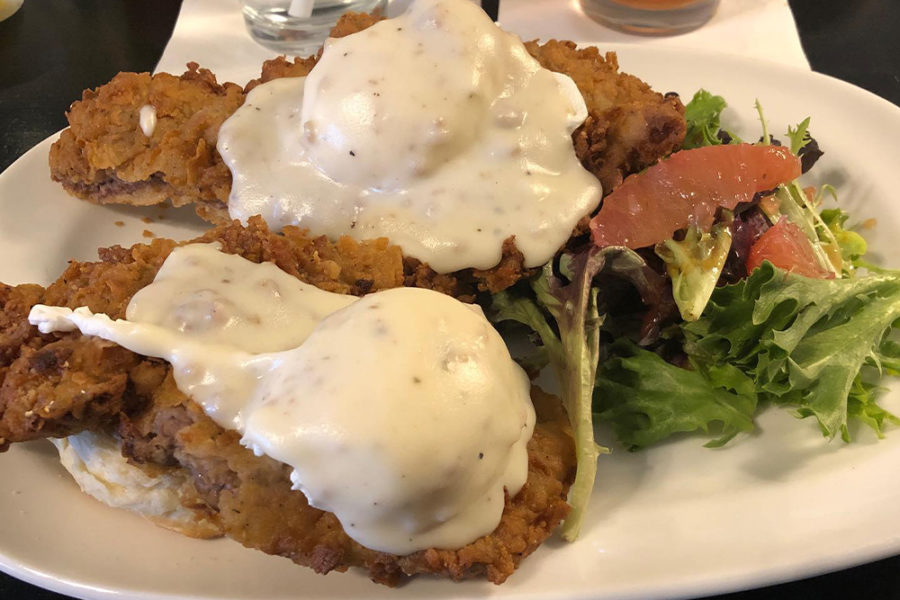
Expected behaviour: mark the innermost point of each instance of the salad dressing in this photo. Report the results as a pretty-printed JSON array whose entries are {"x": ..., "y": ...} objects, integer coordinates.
[{"x": 401, "y": 412}]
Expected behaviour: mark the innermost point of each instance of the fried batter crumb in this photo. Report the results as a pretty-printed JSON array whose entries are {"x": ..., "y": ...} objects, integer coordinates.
[
  {"x": 629, "y": 126},
  {"x": 59, "y": 384},
  {"x": 105, "y": 158}
]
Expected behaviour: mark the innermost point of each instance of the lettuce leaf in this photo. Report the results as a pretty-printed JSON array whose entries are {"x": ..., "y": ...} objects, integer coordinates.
[
  {"x": 799, "y": 136},
  {"x": 703, "y": 115},
  {"x": 695, "y": 263},
  {"x": 852, "y": 245},
  {"x": 816, "y": 346},
  {"x": 571, "y": 301},
  {"x": 562, "y": 307},
  {"x": 646, "y": 399},
  {"x": 807, "y": 343},
  {"x": 804, "y": 145}
]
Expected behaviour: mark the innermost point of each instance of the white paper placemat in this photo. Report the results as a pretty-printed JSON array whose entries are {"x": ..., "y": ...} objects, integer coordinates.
[{"x": 212, "y": 33}]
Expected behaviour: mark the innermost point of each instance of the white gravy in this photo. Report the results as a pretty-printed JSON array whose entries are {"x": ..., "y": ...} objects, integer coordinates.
[
  {"x": 435, "y": 129},
  {"x": 226, "y": 299},
  {"x": 400, "y": 412},
  {"x": 147, "y": 119}
]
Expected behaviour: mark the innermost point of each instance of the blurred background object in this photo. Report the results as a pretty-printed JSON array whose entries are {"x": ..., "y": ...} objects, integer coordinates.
[
  {"x": 299, "y": 26},
  {"x": 651, "y": 17},
  {"x": 8, "y": 7}
]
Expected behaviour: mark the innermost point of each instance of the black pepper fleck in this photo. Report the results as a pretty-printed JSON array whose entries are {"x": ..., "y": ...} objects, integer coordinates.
[
  {"x": 352, "y": 153},
  {"x": 480, "y": 455}
]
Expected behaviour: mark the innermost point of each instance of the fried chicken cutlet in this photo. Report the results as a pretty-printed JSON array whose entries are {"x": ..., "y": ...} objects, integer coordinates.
[
  {"x": 105, "y": 157},
  {"x": 61, "y": 384}
]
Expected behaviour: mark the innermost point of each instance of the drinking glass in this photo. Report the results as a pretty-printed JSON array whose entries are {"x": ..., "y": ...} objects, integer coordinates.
[
  {"x": 299, "y": 27},
  {"x": 651, "y": 17}
]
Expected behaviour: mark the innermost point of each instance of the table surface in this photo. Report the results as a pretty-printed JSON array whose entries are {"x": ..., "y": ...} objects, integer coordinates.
[{"x": 53, "y": 49}]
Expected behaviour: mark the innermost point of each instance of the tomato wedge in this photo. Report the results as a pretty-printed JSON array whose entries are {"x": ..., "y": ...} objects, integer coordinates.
[
  {"x": 688, "y": 188},
  {"x": 787, "y": 247}
]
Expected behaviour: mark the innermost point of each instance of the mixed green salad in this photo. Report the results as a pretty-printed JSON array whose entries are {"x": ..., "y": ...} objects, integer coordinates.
[{"x": 712, "y": 286}]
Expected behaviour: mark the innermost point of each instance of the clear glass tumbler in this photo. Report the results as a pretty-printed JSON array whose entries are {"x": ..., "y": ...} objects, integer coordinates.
[
  {"x": 299, "y": 27},
  {"x": 651, "y": 17}
]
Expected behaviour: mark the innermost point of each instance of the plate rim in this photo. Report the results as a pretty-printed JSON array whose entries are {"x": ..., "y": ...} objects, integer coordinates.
[{"x": 705, "y": 586}]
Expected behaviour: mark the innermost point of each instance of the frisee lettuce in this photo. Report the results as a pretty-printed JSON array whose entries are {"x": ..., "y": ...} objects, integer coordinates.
[
  {"x": 816, "y": 346},
  {"x": 852, "y": 246},
  {"x": 806, "y": 343},
  {"x": 695, "y": 263},
  {"x": 703, "y": 116},
  {"x": 562, "y": 307},
  {"x": 799, "y": 136},
  {"x": 573, "y": 354},
  {"x": 646, "y": 399}
]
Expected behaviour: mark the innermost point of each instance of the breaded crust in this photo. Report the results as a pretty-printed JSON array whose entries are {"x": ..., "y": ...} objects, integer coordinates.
[
  {"x": 104, "y": 156},
  {"x": 629, "y": 126},
  {"x": 54, "y": 385},
  {"x": 59, "y": 384}
]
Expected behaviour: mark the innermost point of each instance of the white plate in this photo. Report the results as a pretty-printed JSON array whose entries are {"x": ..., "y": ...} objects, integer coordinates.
[{"x": 678, "y": 520}]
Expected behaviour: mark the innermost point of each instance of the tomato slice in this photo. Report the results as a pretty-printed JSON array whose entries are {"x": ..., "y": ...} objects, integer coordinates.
[
  {"x": 787, "y": 247},
  {"x": 688, "y": 188}
]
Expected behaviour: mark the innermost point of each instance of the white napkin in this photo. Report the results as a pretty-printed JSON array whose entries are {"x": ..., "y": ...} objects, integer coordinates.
[
  {"x": 212, "y": 33},
  {"x": 757, "y": 28}
]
